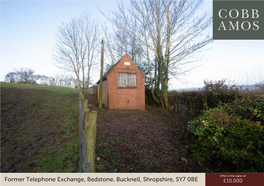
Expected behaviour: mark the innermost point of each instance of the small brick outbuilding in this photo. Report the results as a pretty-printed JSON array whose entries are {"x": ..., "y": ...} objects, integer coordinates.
[{"x": 124, "y": 86}]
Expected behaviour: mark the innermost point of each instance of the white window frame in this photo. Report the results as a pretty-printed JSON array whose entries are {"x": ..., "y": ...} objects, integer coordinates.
[{"x": 127, "y": 80}]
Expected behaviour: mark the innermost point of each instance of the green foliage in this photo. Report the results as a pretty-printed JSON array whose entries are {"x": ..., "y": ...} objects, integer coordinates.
[
  {"x": 248, "y": 108},
  {"x": 231, "y": 134},
  {"x": 216, "y": 92}
]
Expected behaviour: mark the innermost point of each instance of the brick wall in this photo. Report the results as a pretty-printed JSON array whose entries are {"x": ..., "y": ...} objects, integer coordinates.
[
  {"x": 126, "y": 98},
  {"x": 116, "y": 97}
]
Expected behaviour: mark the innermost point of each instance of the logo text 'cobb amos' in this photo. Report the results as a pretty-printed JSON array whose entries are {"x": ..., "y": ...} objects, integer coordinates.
[{"x": 238, "y": 19}]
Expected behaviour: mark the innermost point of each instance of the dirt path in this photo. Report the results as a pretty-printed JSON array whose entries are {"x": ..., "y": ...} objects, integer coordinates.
[{"x": 140, "y": 141}]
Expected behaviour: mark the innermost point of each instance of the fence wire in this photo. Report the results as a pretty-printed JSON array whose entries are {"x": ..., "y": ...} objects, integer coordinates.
[{"x": 83, "y": 160}]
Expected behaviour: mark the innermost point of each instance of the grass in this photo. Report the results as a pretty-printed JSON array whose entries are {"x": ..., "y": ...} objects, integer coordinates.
[
  {"x": 54, "y": 89},
  {"x": 39, "y": 128},
  {"x": 39, "y": 133}
]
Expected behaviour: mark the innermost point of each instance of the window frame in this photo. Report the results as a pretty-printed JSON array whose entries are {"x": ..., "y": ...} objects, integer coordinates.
[{"x": 129, "y": 80}]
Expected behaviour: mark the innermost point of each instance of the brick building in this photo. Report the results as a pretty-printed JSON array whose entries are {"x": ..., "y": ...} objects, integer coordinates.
[{"x": 124, "y": 86}]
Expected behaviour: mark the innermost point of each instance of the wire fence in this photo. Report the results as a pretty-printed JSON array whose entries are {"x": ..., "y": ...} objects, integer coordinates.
[{"x": 83, "y": 160}]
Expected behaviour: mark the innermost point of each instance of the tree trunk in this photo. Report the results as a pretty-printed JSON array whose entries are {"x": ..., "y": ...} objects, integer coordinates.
[
  {"x": 101, "y": 76},
  {"x": 167, "y": 61},
  {"x": 88, "y": 78}
]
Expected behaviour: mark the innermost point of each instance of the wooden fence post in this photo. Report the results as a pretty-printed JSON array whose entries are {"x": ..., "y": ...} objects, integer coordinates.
[
  {"x": 80, "y": 132},
  {"x": 85, "y": 105},
  {"x": 90, "y": 122}
]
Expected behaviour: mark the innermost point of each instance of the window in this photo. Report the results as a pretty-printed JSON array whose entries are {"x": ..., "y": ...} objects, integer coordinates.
[{"x": 126, "y": 80}]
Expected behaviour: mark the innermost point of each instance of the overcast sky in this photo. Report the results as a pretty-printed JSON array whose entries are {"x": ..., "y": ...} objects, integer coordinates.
[{"x": 28, "y": 34}]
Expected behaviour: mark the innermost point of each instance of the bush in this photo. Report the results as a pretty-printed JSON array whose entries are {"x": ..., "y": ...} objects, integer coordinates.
[
  {"x": 189, "y": 104},
  {"x": 219, "y": 92},
  {"x": 251, "y": 108},
  {"x": 192, "y": 103},
  {"x": 232, "y": 134}
]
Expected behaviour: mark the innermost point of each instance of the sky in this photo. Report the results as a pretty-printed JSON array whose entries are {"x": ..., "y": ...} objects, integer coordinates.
[{"x": 28, "y": 35}]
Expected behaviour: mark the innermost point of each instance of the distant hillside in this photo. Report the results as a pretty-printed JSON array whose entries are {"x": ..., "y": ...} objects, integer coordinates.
[{"x": 242, "y": 87}]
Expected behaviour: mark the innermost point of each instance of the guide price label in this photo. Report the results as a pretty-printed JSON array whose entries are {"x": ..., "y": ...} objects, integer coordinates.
[{"x": 233, "y": 180}]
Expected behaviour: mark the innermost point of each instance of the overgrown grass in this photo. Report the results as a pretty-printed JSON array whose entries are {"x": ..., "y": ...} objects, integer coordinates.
[
  {"x": 47, "y": 138},
  {"x": 55, "y": 89}
]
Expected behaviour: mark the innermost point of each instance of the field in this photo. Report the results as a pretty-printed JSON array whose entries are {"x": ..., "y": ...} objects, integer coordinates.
[
  {"x": 39, "y": 133},
  {"x": 39, "y": 128}
]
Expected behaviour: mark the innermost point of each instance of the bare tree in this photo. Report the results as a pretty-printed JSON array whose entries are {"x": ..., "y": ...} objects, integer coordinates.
[
  {"x": 44, "y": 80},
  {"x": 11, "y": 77},
  {"x": 118, "y": 43},
  {"x": 76, "y": 48},
  {"x": 168, "y": 33},
  {"x": 26, "y": 76},
  {"x": 109, "y": 46},
  {"x": 52, "y": 81},
  {"x": 91, "y": 34},
  {"x": 55, "y": 80},
  {"x": 70, "y": 50}
]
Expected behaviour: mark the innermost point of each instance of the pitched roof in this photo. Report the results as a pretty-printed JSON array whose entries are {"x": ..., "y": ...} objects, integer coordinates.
[{"x": 104, "y": 76}]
